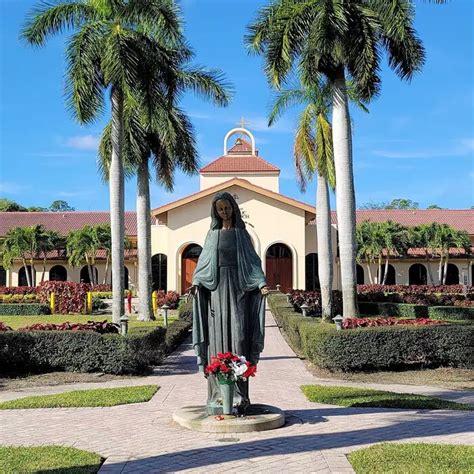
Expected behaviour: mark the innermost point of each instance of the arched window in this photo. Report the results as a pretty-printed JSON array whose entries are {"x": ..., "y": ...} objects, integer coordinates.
[
  {"x": 189, "y": 260},
  {"x": 360, "y": 274},
  {"x": 312, "y": 275},
  {"x": 391, "y": 278},
  {"x": 22, "y": 280},
  {"x": 58, "y": 273},
  {"x": 159, "y": 270},
  {"x": 417, "y": 274},
  {"x": 279, "y": 267},
  {"x": 84, "y": 275},
  {"x": 3, "y": 276},
  {"x": 452, "y": 275}
]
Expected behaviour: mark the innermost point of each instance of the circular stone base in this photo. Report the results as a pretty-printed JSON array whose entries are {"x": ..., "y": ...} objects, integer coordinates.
[{"x": 260, "y": 418}]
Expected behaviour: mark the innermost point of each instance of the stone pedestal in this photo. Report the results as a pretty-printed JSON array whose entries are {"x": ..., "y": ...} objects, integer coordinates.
[{"x": 259, "y": 418}]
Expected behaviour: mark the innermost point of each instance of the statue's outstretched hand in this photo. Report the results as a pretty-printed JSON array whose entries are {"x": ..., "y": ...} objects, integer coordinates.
[
  {"x": 264, "y": 290},
  {"x": 191, "y": 291}
]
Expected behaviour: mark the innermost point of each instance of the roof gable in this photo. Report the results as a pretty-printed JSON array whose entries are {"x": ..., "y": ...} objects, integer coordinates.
[{"x": 226, "y": 184}]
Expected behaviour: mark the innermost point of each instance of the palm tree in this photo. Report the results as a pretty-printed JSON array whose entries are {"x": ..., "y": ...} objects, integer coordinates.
[
  {"x": 337, "y": 39},
  {"x": 423, "y": 236},
  {"x": 396, "y": 241},
  {"x": 157, "y": 132},
  {"x": 22, "y": 243},
  {"x": 447, "y": 238},
  {"x": 313, "y": 153},
  {"x": 50, "y": 240},
  {"x": 113, "y": 42},
  {"x": 369, "y": 245},
  {"x": 81, "y": 247}
]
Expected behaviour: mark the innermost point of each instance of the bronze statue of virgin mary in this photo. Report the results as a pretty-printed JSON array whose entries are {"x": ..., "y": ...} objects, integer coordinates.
[{"x": 229, "y": 304}]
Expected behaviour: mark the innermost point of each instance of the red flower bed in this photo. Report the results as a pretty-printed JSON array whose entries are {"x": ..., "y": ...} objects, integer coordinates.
[
  {"x": 353, "y": 323},
  {"x": 4, "y": 327},
  {"x": 102, "y": 327},
  {"x": 70, "y": 296}
]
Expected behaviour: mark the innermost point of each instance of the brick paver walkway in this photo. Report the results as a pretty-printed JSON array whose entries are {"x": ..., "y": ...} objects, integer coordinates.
[{"x": 143, "y": 438}]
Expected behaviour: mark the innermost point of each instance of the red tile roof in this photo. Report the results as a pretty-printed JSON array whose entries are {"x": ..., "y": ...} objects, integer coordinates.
[
  {"x": 461, "y": 219},
  {"x": 63, "y": 222},
  {"x": 241, "y": 147},
  {"x": 239, "y": 158}
]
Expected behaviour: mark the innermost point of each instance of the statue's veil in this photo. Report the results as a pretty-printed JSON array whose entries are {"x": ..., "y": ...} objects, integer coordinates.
[{"x": 216, "y": 222}]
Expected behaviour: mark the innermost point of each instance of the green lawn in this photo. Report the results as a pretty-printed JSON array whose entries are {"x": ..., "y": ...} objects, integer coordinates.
[
  {"x": 364, "y": 397},
  {"x": 16, "y": 322},
  {"x": 413, "y": 458},
  {"x": 102, "y": 397},
  {"x": 56, "y": 459}
]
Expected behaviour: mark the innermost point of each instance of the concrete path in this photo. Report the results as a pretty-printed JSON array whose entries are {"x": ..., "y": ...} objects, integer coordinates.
[{"x": 143, "y": 438}]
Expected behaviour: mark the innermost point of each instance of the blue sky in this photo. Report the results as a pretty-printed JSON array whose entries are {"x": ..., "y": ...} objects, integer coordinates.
[{"x": 417, "y": 142}]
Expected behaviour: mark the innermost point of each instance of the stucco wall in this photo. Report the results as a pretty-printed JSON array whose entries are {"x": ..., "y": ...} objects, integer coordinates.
[
  {"x": 267, "y": 181},
  {"x": 268, "y": 222}
]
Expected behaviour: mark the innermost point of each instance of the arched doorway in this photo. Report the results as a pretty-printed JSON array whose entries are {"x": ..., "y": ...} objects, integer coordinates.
[
  {"x": 360, "y": 274},
  {"x": 452, "y": 274},
  {"x": 189, "y": 259},
  {"x": 125, "y": 277},
  {"x": 84, "y": 275},
  {"x": 58, "y": 273},
  {"x": 312, "y": 275},
  {"x": 417, "y": 274},
  {"x": 3, "y": 276},
  {"x": 391, "y": 278},
  {"x": 159, "y": 271},
  {"x": 22, "y": 281},
  {"x": 279, "y": 267}
]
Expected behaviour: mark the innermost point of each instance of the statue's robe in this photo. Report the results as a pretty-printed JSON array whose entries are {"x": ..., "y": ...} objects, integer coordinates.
[{"x": 228, "y": 308}]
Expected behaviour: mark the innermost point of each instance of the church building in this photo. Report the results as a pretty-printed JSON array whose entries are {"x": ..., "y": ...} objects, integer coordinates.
[{"x": 282, "y": 230}]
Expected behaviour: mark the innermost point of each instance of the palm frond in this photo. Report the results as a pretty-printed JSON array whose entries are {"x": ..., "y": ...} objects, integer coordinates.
[
  {"x": 51, "y": 18},
  {"x": 283, "y": 100},
  {"x": 324, "y": 150},
  {"x": 304, "y": 150}
]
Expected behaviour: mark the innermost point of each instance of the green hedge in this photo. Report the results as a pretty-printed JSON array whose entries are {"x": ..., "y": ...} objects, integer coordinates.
[
  {"x": 450, "y": 312},
  {"x": 381, "y": 348},
  {"x": 82, "y": 351},
  {"x": 23, "y": 309},
  {"x": 405, "y": 310}
]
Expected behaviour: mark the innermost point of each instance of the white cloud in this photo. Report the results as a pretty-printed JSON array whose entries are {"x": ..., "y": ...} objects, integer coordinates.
[
  {"x": 12, "y": 188},
  {"x": 84, "y": 142}
]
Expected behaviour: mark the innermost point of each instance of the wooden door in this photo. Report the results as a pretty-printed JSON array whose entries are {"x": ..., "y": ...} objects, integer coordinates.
[
  {"x": 279, "y": 267},
  {"x": 189, "y": 261}
]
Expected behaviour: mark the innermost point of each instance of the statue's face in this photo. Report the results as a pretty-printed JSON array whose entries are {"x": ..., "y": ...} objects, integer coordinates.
[{"x": 224, "y": 209}]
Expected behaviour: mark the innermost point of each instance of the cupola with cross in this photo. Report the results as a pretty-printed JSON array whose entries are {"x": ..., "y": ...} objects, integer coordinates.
[{"x": 242, "y": 161}]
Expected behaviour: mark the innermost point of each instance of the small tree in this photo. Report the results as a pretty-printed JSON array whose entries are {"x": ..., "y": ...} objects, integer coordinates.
[{"x": 60, "y": 206}]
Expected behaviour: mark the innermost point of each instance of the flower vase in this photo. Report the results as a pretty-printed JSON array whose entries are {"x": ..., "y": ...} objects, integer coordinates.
[{"x": 227, "y": 393}]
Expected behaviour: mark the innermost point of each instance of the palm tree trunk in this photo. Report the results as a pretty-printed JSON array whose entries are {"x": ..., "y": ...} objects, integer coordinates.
[
  {"x": 385, "y": 271},
  {"x": 369, "y": 273},
  {"x": 33, "y": 272},
  {"x": 345, "y": 196},
  {"x": 44, "y": 269},
  {"x": 117, "y": 206},
  {"x": 440, "y": 270},
  {"x": 325, "y": 256},
  {"x": 144, "y": 241},
  {"x": 27, "y": 273},
  {"x": 445, "y": 271},
  {"x": 107, "y": 262},
  {"x": 428, "y": 266}
]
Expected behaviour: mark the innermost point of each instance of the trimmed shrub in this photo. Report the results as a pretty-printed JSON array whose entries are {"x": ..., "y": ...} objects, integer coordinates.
[
  {"x": 402, "y": 310},
  {"x": 28, "y": 298},
  {"x": 80, "y": 351},
  {"x": 171, "y": 298},
  {"x": 354, "y": 323},
  {"x": 102, "y": 327},
  {"x": 185, "y": 311},
  {"x": 379, "y": 348},
  {"x": 450, "y": 312},
  {"x": 70, "y": 296},
  {"x": 23, "y": 309}
]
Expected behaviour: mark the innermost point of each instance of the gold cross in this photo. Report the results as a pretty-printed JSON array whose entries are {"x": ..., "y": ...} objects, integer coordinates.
[{"x": 242, "y": 122}]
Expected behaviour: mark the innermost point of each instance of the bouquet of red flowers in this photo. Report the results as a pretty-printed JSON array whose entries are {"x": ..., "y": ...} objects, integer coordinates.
[{"x": 230, "y": 368}]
